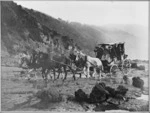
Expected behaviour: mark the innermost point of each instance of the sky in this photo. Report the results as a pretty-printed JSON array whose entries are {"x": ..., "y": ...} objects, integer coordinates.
[{"x": 94, "y": 12}]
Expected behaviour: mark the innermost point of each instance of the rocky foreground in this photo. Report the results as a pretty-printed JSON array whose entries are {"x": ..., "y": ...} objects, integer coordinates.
[{"x": 19, "y": 94}]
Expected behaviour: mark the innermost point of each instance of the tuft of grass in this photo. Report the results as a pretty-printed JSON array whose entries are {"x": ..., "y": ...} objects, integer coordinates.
[{"x": 49, "y": 95}]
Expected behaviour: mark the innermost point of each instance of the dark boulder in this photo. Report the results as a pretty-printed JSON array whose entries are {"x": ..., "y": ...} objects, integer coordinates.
[
  {"x": 81, "y": 96},
  {"x": 137, "y": 82},
  {"x": 134, "y": 65},
  {"x": 111, "y": 91},
  {"x": 99, "y": 94},
  {"x": 126, "y": 80},
  {"x": 140, "y": 67},
  {"x": 121, "y": 90}
]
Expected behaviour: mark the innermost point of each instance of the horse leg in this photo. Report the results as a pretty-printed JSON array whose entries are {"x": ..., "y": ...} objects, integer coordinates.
[
  {"x": 80, "y": 75},
  {"x": 58, "y": 75},
  {"x": 59, "y": 71},
  {"x": 35, "y": 74},
  {"x": 94, "y": 73},
  {"x": 84, "y": 71},
  {"x": 65, "y": 73},
  {"x": 73, "y": 72},
  {"x": 74, "y": 75},
  {"x": 88, "y": 71},
  {"x": 54, "y": 74},
  {"x": 100, "y": 74},
  {"x": 43, "y": 73}
]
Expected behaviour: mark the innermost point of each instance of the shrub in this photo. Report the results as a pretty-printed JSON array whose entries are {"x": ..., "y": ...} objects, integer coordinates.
[
  {"x": 49, "y": 95},
  {"x": 141, "y": 67},
  {"x": 137, "y": 82},
  {"x": 134, "y": 65}
]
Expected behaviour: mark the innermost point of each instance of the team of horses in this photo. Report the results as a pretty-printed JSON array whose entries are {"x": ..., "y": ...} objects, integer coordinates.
[{"x": 74, "y": 62}]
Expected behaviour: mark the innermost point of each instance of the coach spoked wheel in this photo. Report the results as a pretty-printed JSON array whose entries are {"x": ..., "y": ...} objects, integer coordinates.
[
  {"x": 113, "y": 69},
  {"x": 126, "y": 66}
]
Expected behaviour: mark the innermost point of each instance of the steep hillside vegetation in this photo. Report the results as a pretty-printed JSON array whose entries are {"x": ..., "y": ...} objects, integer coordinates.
[
  {"x": 25, "y": 29},
  {"x": 21, "y": 31},
  {"x": 85, "y": 36}
]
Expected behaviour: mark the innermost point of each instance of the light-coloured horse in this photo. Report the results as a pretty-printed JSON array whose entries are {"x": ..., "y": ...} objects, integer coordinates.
[{"x": 95, "y": 63}]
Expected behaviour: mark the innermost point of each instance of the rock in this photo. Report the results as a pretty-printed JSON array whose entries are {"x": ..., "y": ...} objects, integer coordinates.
[
  {"x": 111, "y": 91},
  {"x": 134, "y": 65},
  {"x": 138, "y": 94},
  {"x": 137, "y": 82},
  {"x": 104, "y": 107},
  {"x": 121, "y": 90},
  {"x": 81, "y": 96},
  {"x": 140, "y": 67},
  {"x": 99, "y": 93},
  {"x": 119, "y": 97},
  {"x": 126, "y": 80}
]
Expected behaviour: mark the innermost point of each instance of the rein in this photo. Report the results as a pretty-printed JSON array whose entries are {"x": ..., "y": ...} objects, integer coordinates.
[{"x": 63, "y": 63}]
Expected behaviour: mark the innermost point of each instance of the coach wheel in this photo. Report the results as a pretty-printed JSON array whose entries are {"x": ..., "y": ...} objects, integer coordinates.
[
  {"x": 126, "y": 66},
  {"x": 113, "y": 69}
]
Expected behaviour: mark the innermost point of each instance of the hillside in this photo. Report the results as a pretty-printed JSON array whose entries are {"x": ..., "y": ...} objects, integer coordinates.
[
  {"x": 85, "y": 36},
  {"x": 21, "y": 31},
  {"x": 25, "y": 29}
]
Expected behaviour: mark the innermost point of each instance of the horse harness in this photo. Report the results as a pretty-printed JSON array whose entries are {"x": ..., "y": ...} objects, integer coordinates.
[
  {"x": 64, "y": 63},
  {"x": 90, "y": 62}
]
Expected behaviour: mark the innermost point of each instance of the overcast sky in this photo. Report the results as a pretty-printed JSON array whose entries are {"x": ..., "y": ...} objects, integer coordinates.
[{"x": 93, "y": 12}]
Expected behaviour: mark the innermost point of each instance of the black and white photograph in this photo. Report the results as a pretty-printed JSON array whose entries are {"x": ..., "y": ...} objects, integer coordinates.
[{"x": 75, "y": 56}]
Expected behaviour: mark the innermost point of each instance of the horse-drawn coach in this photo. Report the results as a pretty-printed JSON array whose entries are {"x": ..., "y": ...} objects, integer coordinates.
[{"x": 113, "y": 57}]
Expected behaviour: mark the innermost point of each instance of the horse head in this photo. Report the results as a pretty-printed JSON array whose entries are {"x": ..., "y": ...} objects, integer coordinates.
[
  {"x": 41, "y": 57},
  {"x": 25, "y": 58},
  {"x": 72, "y": 57},
  {"x": 81, "y": 57}
]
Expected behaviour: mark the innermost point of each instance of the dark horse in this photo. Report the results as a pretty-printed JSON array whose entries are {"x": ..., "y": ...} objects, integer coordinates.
[
  {"x": 54, "y": 61},
  {"x": 30, "y": 61},
  {"x": 80, "y": 63}
]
